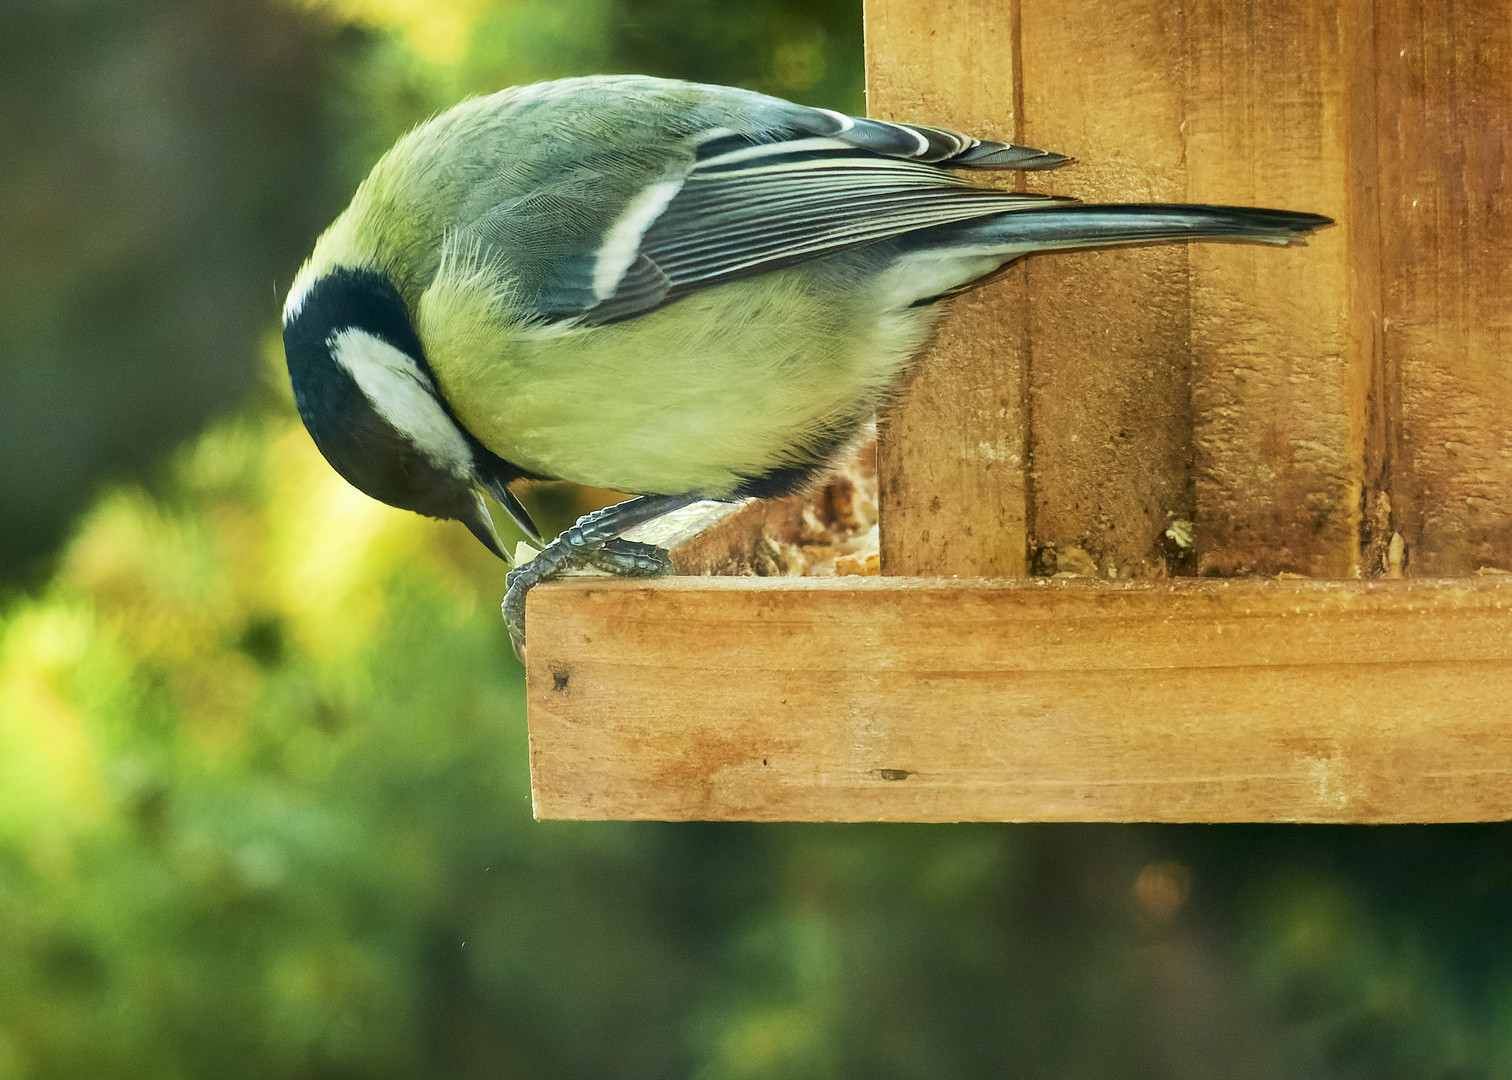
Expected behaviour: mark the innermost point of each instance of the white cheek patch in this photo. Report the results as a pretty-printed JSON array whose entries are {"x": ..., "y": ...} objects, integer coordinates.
[{"x": 404, "y": 396}]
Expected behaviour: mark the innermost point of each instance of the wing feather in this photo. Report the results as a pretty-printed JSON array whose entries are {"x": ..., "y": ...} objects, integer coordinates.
[{"x": 792, "y": 184}]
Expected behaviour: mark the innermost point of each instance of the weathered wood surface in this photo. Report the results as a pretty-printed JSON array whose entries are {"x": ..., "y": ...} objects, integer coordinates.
[
  {"x": 924, "y": 700},
  {"x": 1277, "y": 395},
  {"x": 1445, "y": 143},
  {"x": 951, "y": 452},
  {"x": 1110, "y": 371},
  {"x": 1304, "y": 406}
]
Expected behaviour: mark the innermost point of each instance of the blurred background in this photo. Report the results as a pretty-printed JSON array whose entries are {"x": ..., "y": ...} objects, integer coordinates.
[{"x": 264, "y": 804}]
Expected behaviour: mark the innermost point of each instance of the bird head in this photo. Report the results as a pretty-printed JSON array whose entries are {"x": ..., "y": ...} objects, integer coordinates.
[{"x": 366, "y": 395}]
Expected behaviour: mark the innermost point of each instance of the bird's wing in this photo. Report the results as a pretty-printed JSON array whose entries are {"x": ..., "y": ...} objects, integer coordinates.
[
  {"x": 795, "y": 184},
  {"x": 748, "y": 209}
]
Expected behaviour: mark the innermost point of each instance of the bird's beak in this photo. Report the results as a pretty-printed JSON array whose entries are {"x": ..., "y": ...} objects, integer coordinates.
[
  {"x": 517, "y": 511},
  {"x": 480, "y": 524}
]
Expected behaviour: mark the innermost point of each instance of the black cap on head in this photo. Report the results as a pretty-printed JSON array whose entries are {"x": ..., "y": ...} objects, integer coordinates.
[
  {"x": 367, "y": 397},
  {"x": 356, "y": 365}
]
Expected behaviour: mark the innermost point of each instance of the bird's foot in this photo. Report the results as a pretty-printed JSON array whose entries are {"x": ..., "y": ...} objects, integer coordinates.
[{"x": 591, "y": 546}]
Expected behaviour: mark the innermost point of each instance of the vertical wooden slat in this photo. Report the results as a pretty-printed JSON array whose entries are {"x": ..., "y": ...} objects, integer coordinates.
[
  {"x": 1110, "y": 364},
  {"x": 950, "y": 458},
  {"x": 1279, "y": 403},
  {"x": 1446, "y": 206},
  {"x": 1366, "y": 304},
  {"x": 1278, "y": 398}
]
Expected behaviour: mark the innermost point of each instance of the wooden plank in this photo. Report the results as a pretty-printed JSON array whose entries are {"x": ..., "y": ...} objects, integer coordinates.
[
  {"x": 1225, "y": 383},
  {"x": 1278, "y": 395},
  {"x": 924, "y": 700},
  {"x": 1374, "y": 387},
  {"x": 951, "y": 453},
  {"x": 1445, "y": 108},
  {"x": 1109, "y": 331}
]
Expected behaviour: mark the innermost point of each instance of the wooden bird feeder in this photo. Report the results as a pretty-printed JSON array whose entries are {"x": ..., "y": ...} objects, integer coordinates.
[{"x": 1331, "y": 637}]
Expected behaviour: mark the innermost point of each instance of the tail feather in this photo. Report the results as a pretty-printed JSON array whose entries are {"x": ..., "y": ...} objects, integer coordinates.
[
  {"x": 948, "y": 259},
  {"x": 997, "y": 155},
  {"x": 1065, "y": 225}
]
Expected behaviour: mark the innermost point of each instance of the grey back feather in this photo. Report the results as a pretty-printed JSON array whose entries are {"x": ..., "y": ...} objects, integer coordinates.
[{"x": 607, "y": 197}]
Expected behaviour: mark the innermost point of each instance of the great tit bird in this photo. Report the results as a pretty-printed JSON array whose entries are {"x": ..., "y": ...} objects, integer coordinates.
[{"x": 683, "y": 291}]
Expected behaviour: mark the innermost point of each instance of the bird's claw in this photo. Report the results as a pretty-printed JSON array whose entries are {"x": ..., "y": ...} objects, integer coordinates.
[{"x": 579, "y": 550}]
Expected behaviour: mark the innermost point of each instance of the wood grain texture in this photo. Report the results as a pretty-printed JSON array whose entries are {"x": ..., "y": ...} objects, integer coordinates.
[
  {"x": 1109, "y": 331},
  {"x": 1216, "y": 382},
  {"x": 951, "y": 452},
  {"x": 1278, "y": 396},
  {"x": 921, "y": 700},
  {"x": 1445, "y": 123},
  {"x": 1377, "y": 400}
]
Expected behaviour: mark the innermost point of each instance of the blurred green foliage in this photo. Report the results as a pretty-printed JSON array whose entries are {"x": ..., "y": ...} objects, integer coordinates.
[
  {"x": 162, "y": 164},
  {"x": 264, "y": 805},
  {"x": 264, "y": 812}
]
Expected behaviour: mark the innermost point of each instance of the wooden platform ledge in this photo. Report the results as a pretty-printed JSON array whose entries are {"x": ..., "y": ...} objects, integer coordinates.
[{"x": 908, "y": 699}]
